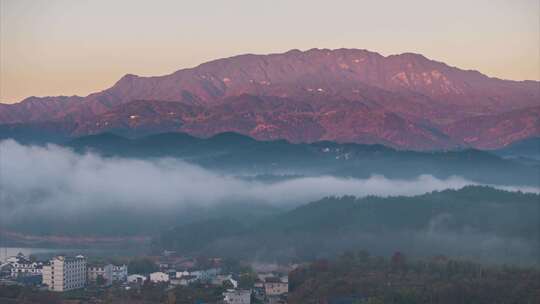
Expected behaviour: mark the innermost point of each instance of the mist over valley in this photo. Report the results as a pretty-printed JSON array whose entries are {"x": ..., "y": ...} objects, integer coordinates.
[{"x": 219, "y": 196}]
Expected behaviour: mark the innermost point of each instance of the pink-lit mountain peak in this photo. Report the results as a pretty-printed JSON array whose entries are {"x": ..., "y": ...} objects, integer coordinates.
[
  {"x": 406, "y": 100},
  {"x": 209, "y": 82}
]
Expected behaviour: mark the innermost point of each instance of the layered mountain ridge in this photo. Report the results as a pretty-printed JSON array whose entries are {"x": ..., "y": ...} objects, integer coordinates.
[{"x": 346, "y": 95}]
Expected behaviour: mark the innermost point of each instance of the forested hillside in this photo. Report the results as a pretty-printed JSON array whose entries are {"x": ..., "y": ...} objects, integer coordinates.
[{"x": 474, "y": 222}]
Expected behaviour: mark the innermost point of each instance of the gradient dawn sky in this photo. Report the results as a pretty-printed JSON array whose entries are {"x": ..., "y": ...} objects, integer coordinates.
[{"x": 67, "y": 47}]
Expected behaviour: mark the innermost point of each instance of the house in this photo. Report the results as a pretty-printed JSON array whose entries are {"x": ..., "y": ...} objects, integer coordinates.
[
  {"x": 65, "y": 273},
  {"x": 119, "y": 273},
  {"x": 220, "y": 279},
  {"x": 184, "y": 280},
  {"x": 23, "y": 266},
  {"x": 96, "y": 271},
  {"x": 109, "y": 272},
  {"x": 136, "y": 279},
  {"x": 159, "y": 277},
  {"x": 180, "y": 274},
  {"x": 206, "y": 275},
  {"x": 275, "y": 287},
  {"x": 232, "y": 296}
]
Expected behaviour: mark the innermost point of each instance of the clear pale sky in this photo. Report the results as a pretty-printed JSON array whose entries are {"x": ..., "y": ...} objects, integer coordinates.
[{"x": 67, "y": 47}]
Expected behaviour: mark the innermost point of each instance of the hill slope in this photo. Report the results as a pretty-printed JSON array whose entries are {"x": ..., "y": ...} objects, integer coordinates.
[{"x": 473, "y": 222}]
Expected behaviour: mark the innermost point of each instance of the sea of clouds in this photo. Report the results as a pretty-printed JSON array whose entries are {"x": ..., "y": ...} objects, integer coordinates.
[{"x": 55, "y": 178}]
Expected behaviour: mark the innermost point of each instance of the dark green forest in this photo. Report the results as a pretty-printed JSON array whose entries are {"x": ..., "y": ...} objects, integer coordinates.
[{"x": 475, "y": 222}]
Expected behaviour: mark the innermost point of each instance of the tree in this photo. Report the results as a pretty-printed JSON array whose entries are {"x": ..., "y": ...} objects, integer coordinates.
[
  {"x": 247, "y": 280},
  {"x": 171, "y": 297},
  {"x": 100, "y": 280},
  {"x": 142, "y": 266}
]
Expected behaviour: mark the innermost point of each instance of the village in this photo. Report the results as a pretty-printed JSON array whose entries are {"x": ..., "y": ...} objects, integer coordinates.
[{"x": 169, "y": 276}]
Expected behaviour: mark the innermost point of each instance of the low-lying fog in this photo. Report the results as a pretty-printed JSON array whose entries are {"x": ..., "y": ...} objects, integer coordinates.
[
  {"x": 51, "y": 189},
  {"x": 37, "y": 179}
]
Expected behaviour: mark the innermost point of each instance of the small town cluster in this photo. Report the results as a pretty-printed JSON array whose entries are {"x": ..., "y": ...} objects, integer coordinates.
[{"x": 68, "y": 273}]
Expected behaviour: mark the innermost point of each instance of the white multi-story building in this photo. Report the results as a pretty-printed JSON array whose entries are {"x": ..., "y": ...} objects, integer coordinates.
[
  {"x": 159, "y": 277},
  {"x": 65, "y": 273},
  {"x": 23, "y": 266}
]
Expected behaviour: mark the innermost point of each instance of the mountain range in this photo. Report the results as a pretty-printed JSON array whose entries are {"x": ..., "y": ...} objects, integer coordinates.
[
  {"x": 404, "y": 101},
  {"x": 277, "y": 160}
]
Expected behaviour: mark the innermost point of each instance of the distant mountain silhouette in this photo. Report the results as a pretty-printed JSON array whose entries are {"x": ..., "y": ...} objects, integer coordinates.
[{"x": 232, "y": 152}]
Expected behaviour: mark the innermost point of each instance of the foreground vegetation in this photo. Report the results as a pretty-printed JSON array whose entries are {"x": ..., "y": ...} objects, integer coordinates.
[
  {"x": 359, "y": 278},
  {"x": 146, "y": 294}
]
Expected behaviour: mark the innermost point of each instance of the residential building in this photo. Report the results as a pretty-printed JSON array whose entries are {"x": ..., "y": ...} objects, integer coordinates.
[
  {"x": 275, "y": 287},
  {"x": 232, "y": 296},
  {"x": 184, "y": 280},
  {"x": 207, "y": 274},
  {"x": 159, "y": 277},
  {"x": 180, "y": 274},
  {"x": 23, "y": 266},
  {"x": 100, "y": 270},
  {"x": 119, "y": 273},
  {"x": 65, "y": 273},
  {"x": 111, "y": 273},
  {"x": 136, "y": 279}
]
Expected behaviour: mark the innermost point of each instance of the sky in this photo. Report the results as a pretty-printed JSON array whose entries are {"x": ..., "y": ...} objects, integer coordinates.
[{"x": 76, "y": 47}]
